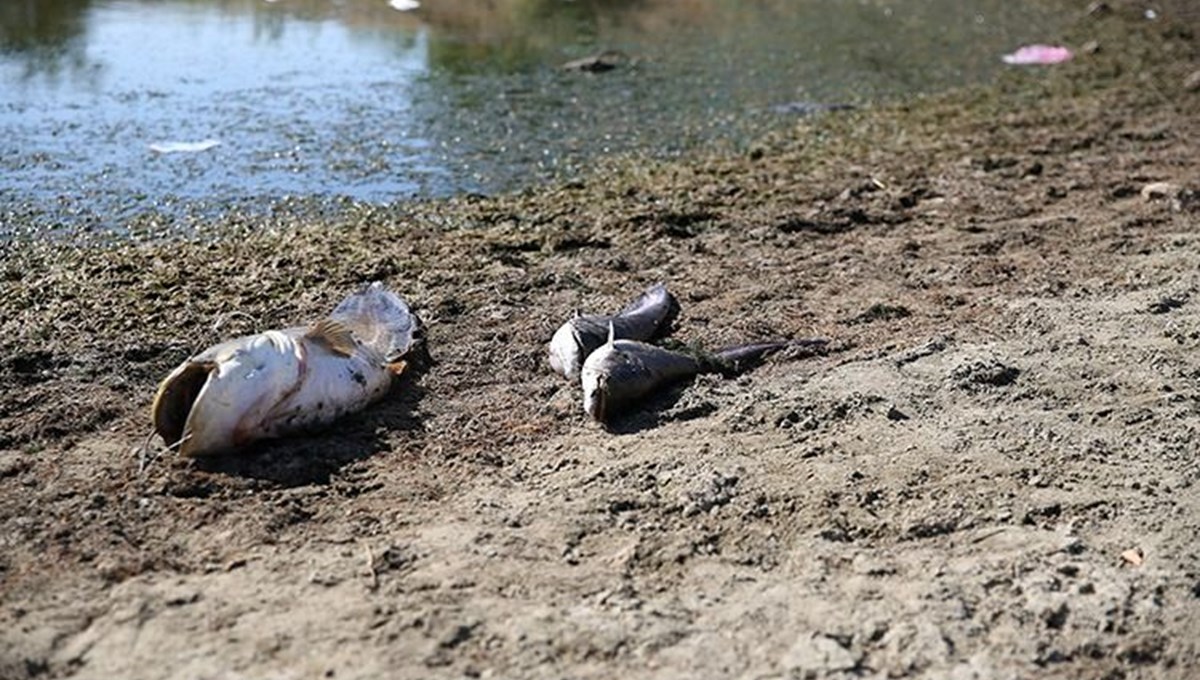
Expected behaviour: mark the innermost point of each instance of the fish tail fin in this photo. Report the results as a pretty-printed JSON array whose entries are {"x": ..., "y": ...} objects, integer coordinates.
[
  {"x": 740, "y": 358},
  {"x": 381, "y": 319},
  {"x": 667, "y": 323},
  {"x": 656, "y": 297}
]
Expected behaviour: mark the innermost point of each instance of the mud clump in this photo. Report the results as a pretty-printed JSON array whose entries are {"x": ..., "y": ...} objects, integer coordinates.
[{"x": 984, "y": 373}]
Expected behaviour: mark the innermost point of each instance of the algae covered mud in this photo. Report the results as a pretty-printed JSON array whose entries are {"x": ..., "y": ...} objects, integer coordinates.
[{"x": 133, "y": 116}]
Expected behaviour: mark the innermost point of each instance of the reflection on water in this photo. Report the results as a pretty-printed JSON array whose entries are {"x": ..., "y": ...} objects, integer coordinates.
[
  {"x": 44, "y": 38},
  {"x": 320, "y": 98}
]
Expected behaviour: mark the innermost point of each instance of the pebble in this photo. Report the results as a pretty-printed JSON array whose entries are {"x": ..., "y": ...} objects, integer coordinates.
[
  {"x": 1158, "y": 190},
  {"x": 1192, "y": 82},
  {"x": 819, "y": 654}
]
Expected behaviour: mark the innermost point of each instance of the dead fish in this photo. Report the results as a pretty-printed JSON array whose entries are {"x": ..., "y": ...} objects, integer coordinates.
[
  {"x": 283, "y": 381},
  {"x": 647, "y": 317},
  {"x": 618, "y": 375}
]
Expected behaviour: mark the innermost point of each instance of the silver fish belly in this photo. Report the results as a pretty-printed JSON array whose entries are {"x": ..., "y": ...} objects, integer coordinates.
[
  {"x": 279, "y": 382},
  {"x": 649, "y": 316}
]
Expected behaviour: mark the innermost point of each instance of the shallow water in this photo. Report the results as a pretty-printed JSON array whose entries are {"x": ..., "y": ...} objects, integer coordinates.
[{"x": 330, "y": 100}]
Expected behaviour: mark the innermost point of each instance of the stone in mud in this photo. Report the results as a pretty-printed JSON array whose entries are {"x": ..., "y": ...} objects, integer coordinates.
[
  {"x": 1159, "y": 190},
  {"x": 816, "y": 653},
  {"x": 1192, "y": 82},
  {"x": 718, "y": 491}
]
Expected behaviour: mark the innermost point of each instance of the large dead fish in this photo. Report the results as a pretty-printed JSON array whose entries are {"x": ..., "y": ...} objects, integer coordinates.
[
  {"x": 277, "y": 382},
  {"x": 647, "y": 317},
  {"x": 621, "y": 373}
]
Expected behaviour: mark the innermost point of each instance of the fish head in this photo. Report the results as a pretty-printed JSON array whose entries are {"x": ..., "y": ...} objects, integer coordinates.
[
  {"x": 216, "y": 401},
  {"x": 566, "y": 351},
  {"x": 595, "y": 374},
  {"x": 595, "y": 392},
  {"x": 174, "y": 399}
]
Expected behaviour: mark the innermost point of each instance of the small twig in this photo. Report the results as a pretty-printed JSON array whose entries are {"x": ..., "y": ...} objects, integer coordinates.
[
  {"x": 142, "y": 450},
  {"x": 986, "y": 536},
  {"x": 145, "y": 448}
]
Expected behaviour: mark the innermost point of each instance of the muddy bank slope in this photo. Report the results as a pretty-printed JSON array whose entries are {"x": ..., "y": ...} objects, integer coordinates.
[{"x": 992, "y": 473}]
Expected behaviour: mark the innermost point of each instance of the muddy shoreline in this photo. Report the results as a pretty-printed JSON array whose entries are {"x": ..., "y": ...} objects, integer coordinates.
[{"x": 991, "y": 474}]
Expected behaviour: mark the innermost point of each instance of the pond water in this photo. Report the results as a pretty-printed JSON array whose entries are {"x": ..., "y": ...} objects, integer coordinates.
[{"x": 111, "y": 110}]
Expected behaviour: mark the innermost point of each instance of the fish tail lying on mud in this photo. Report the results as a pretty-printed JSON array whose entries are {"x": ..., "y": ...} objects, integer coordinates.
[
  {"x": 282, "y": 381},
  {"x": 621, "y": 373},
  {"x": 731, "y": 361},
  {"x": 648, "y": 317},
  {"x": 380, "y": 319}
]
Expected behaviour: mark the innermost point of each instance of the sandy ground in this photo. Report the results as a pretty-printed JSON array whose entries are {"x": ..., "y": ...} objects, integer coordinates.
[{"x": 990, "y": 474}]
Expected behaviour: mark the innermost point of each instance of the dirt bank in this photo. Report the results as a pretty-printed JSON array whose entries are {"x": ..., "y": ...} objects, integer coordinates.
[{"x": 992, "y": 473}]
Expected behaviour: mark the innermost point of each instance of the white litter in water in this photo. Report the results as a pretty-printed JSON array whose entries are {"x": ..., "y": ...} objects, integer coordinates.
[
  {"x": 184, "y": 147},
  {"x": 404, "y": 5},
  {"x": 1038, "y": 54}
]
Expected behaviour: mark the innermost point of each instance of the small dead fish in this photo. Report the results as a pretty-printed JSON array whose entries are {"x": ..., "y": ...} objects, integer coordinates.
[
  {"x": 621, "y": 372},
  {"x": 647, "y": 317},
  {"x": 282, "y": 381}
]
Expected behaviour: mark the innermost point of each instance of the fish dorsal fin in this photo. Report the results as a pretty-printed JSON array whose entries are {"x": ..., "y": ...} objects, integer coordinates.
[
  {"x": 612, "y": 334},
  {"x": 333, "y": 335}
]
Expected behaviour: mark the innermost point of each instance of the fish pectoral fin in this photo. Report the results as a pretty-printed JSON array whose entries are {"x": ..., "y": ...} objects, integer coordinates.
[
  {"x": 333, "y": 335},
  {"x": 396, "y": 367}
]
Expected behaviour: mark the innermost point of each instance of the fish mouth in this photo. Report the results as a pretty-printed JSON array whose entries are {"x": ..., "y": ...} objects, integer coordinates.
[
  {"x": 174, "y": 401},
  {"x": 596, "y": 399}
]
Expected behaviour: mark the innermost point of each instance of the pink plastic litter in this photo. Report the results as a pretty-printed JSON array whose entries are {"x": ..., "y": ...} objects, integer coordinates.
[{"x": 1038, "y": 54}]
